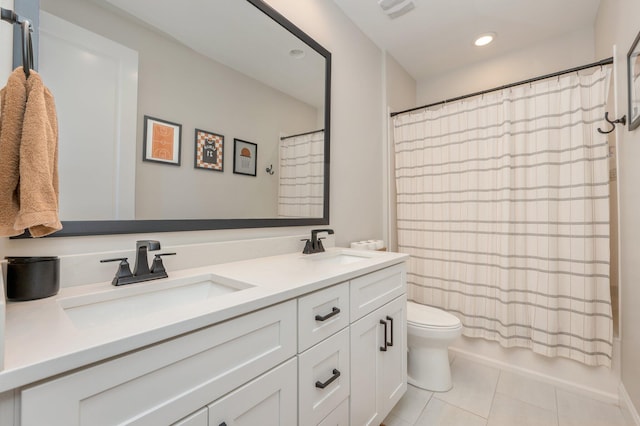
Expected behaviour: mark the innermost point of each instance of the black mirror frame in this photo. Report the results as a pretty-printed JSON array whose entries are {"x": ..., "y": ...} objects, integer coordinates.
[{"x": 109, "y": 227}]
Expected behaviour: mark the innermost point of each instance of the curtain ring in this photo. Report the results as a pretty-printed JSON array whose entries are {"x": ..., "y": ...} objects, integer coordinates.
[{"x": 27, "y": 48}]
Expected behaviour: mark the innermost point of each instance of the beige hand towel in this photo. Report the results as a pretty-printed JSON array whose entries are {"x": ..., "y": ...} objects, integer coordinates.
[
  {"x": 13, "y": 100},
  {"x": 30, "y": 124}
]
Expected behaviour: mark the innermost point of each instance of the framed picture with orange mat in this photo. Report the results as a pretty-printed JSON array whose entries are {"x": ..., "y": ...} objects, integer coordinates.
[
  {"x": 161, "y": 141},
  {"x": 245, "y": 157}
]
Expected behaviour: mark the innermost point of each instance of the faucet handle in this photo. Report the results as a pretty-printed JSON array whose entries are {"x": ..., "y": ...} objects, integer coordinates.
[
  {"x": 157, "y": 267},
  {"x": 307, "y": 246},
  {"x": 124, "y": 271},
  {"x": 320, "y": 247}
]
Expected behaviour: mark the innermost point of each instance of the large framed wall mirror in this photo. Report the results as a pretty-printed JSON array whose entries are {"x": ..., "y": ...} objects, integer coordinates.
[{"x": 237, "y": 70}]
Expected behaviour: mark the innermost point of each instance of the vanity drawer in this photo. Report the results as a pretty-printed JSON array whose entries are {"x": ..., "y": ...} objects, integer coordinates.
[
  {"x": 338, "y": 417},
  {"x": 166, "y": 382},
  {"x": 199, "y": 418},
  {"x": 323, "y": 378},
  {"x": 322, "y": 314},
  {"x": 371, "y": 291}
]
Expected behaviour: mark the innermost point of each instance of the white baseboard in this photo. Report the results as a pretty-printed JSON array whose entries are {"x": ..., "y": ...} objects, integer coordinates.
[{"x": 628, "y": 409}]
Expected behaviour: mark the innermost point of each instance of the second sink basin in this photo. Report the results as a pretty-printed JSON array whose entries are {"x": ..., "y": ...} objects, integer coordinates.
[
  {"x": 337, "y": 258},
  {"x": 138, "y": 300}
]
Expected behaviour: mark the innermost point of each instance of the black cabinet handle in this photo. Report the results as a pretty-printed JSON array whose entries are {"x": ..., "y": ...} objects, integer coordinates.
[
  {"x": 321, "y": 385},
  {"x": 390, "y": 343},
  {"x": 334, "y": 311},
  {"x": 384, "y": 348}
]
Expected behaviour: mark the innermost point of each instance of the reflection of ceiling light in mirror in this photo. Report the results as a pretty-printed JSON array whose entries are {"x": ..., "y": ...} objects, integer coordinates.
[
  {"x": 484, "y": 39},
  {"x": 297, "y": 53}
]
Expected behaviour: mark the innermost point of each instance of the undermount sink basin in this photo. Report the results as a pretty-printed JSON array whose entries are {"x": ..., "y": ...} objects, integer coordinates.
[
  {"x": 135, "y": 301},
  {"x": 337, "y": 258}
]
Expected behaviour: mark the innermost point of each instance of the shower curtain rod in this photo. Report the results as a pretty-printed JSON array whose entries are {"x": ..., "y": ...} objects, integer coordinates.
[
  {"x": 301, "y": 134},
  {"x": 600, "y": 63}
]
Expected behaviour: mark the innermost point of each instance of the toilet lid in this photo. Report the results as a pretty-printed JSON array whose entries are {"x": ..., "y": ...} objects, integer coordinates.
[{"x": 427, "y": 316}]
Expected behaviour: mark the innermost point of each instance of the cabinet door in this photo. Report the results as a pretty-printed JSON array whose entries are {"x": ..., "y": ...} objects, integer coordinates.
[
  {"x": 392, "y": 367},
  {"x": 366, "y": 338},
  {"x": 378, "y": 369},
  {"x": 268, "y": 400}
]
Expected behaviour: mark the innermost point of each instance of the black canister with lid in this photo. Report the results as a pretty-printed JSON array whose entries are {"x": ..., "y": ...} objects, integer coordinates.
[{"x": 32, "y": 277}]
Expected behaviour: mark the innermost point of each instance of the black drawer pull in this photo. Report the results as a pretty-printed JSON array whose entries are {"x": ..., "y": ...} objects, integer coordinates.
[
  {"x": 334, "y": 311},
  {"x": 384, "y": 348},
  {"x": 390, "y": 343},
  {"x": 321, "y": 385}
]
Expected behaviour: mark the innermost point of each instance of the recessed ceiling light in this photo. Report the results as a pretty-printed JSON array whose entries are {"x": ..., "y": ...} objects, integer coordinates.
[
  {"x": 297, "y": 53},
  {"x": 484, "y": 39}
]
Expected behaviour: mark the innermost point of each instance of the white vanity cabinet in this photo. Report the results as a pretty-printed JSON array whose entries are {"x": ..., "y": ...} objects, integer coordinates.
[
  {"x": 332, "y": 357},
  {"x": 378, "y": 344}
]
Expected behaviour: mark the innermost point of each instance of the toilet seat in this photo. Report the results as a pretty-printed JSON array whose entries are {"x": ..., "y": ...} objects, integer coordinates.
[{"x": 422, "y": 316}]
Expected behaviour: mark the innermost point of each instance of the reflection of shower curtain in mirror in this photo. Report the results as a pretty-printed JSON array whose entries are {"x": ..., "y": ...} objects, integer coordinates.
[
  {"x": 503, "y": 205},
  {"x": 301, "y": 176}
]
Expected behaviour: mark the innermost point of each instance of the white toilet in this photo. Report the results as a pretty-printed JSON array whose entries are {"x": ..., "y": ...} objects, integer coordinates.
[{"x": 429, "y": 332}]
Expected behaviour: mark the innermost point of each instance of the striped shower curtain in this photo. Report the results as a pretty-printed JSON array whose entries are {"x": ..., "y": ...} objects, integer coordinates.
[
  {"x": 301, "y": 177},
  {"x": 503, "y": 205}
]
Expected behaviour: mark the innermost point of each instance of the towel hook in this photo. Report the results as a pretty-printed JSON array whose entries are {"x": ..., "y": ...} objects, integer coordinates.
[
  {"x": 613, "y": 123},
  {"x": 270, "y": 169},
  {"x": 27, "y": 47}
]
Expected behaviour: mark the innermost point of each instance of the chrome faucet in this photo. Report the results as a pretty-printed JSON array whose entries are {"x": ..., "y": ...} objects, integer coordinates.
[
  {"x": 314, "y": 245},
  {"x": 141, "y": 271}
]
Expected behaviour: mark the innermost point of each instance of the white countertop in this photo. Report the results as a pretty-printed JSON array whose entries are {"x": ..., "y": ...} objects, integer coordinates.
[{"x": 41, "y": 340}]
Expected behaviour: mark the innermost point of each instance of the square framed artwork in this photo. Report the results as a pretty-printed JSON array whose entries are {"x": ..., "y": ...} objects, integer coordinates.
[
  {"x": 161, "y": 141},
  {"x": 209, "y": 151},
  {"x": 245, "y": 157},
  {"x": 633, "y": 70}
]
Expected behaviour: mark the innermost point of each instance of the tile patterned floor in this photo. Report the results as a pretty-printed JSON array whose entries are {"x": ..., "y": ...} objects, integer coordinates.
[{"x": 487, "y": 396}]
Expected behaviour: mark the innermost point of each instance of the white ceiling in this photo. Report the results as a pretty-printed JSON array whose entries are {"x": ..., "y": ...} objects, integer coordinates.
[{"x": 438, "y": 35}]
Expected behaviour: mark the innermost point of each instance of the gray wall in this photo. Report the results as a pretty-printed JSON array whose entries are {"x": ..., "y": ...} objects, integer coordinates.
[
  {"x": 401, "y": 95},
  {"x": 617, "y": 24}
]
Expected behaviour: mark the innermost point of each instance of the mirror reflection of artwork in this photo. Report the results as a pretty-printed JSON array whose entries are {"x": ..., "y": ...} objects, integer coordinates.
[
  {"x": 209, "y": 151},
  {"x": 161, "y": 141},
  {"x": 244, "y": 157}
]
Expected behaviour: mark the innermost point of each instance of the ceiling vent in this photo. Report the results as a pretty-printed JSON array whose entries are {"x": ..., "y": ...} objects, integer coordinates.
[{"x": 396, "y": 8}]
